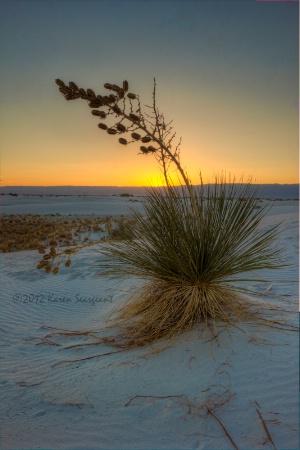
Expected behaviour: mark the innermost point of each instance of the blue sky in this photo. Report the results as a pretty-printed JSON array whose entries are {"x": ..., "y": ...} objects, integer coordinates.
[{"x": 227, "y": 73}]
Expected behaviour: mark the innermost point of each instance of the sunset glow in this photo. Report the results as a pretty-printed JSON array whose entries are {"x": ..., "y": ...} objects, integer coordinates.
[{"x": 227, "y": 73}]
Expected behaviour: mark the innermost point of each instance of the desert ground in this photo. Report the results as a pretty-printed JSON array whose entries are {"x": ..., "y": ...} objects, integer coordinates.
[{"x": 63, "y": 387}]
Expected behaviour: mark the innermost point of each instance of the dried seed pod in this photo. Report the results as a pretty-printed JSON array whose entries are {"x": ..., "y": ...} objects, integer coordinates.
[
  {"x": 76, "y": 95},
  {"x": 125, "y": 85},
  {"x": 121, "y": 93},
  {"x": 94, "y": 104},
  {"x": 111, "y": 131},
  {"x": 55, "y": 270},
  {"x": 42, "y": 264},
  {"x": 112, "y": 98},
  {"x": 69, "y": 97},
  {"x": 144, "y": 149},
  {"x": 101, "y": 114},
  {"x": 91, "y": 93},
  {"x": 146, "y": 139},
  {"x": 134, "y": 117},
  {"x": 106, "y": 99},
  {"x": 100, "y": 99},
  {"x": 131, "y": 96},
  {"x": 59, "y": 82},
  {"x": 151, "y": 149},
  {"x": 82, "y": 93},
  {"x": 116, "y": 109},
  {"x": 136, "y": 136},
  {"x": 123, "y": 141},
  {"x": 48, "y": 268},
  {"x": 115, "y": 88},
  {"x": 103, "y": 126},
  {"x": 68, "y": 263},
  {"x": 46, "y": 257},
  {"x": 73, "y": 86},
  {"x": 64, "y": 90},
  {"x": 108, "y": 86},
  {"x": 121, "y": 127}
]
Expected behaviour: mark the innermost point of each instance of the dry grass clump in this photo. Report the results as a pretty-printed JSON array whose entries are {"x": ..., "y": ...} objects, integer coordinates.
[
  {"x": 110, "y": 229},
  {"x": 191, "y": 254},
  {"x": 162, "y": 310},
  {"x": 120, "y": 229},
  {"x": 32, "y": 232}
]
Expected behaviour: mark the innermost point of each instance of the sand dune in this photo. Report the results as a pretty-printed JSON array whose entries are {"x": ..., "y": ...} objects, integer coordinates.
[{"x": 176, "y": 398}]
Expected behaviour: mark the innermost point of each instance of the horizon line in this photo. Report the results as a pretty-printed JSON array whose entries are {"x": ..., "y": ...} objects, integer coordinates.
[{"x": 130, "y": 186}]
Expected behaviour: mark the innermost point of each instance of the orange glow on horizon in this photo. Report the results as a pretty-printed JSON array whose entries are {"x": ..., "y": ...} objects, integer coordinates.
[{"x": 154, "y": 180}]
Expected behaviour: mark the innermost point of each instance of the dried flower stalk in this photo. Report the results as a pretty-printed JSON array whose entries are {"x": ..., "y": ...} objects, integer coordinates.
[{"x": 127, "y": 108}]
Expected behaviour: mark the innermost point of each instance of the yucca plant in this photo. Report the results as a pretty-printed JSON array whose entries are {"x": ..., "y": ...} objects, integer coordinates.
[
  {"x": 190, "y": 256},
  {"x": 193, "y": 247}
]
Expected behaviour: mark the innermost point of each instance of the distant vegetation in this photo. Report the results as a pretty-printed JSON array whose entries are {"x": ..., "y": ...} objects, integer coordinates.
[{"x": 41, "y": 232}]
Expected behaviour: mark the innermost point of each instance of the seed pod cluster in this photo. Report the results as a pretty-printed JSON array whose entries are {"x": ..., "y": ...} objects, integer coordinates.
[
  {"x": 72, "y": 91},
  {"x": 114, "y": 87}
]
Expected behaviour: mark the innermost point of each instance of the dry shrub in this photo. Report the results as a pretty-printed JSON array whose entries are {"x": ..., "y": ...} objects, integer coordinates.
[
  {"x": 30, "y": 232},
  {"x": 191, "y": 253}
]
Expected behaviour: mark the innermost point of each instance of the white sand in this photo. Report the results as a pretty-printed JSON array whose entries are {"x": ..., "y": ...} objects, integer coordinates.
[{"x": 137, "y": 399}]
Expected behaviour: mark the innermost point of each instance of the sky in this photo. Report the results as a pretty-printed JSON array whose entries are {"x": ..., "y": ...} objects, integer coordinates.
[{"x": 226, "y": 73}]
